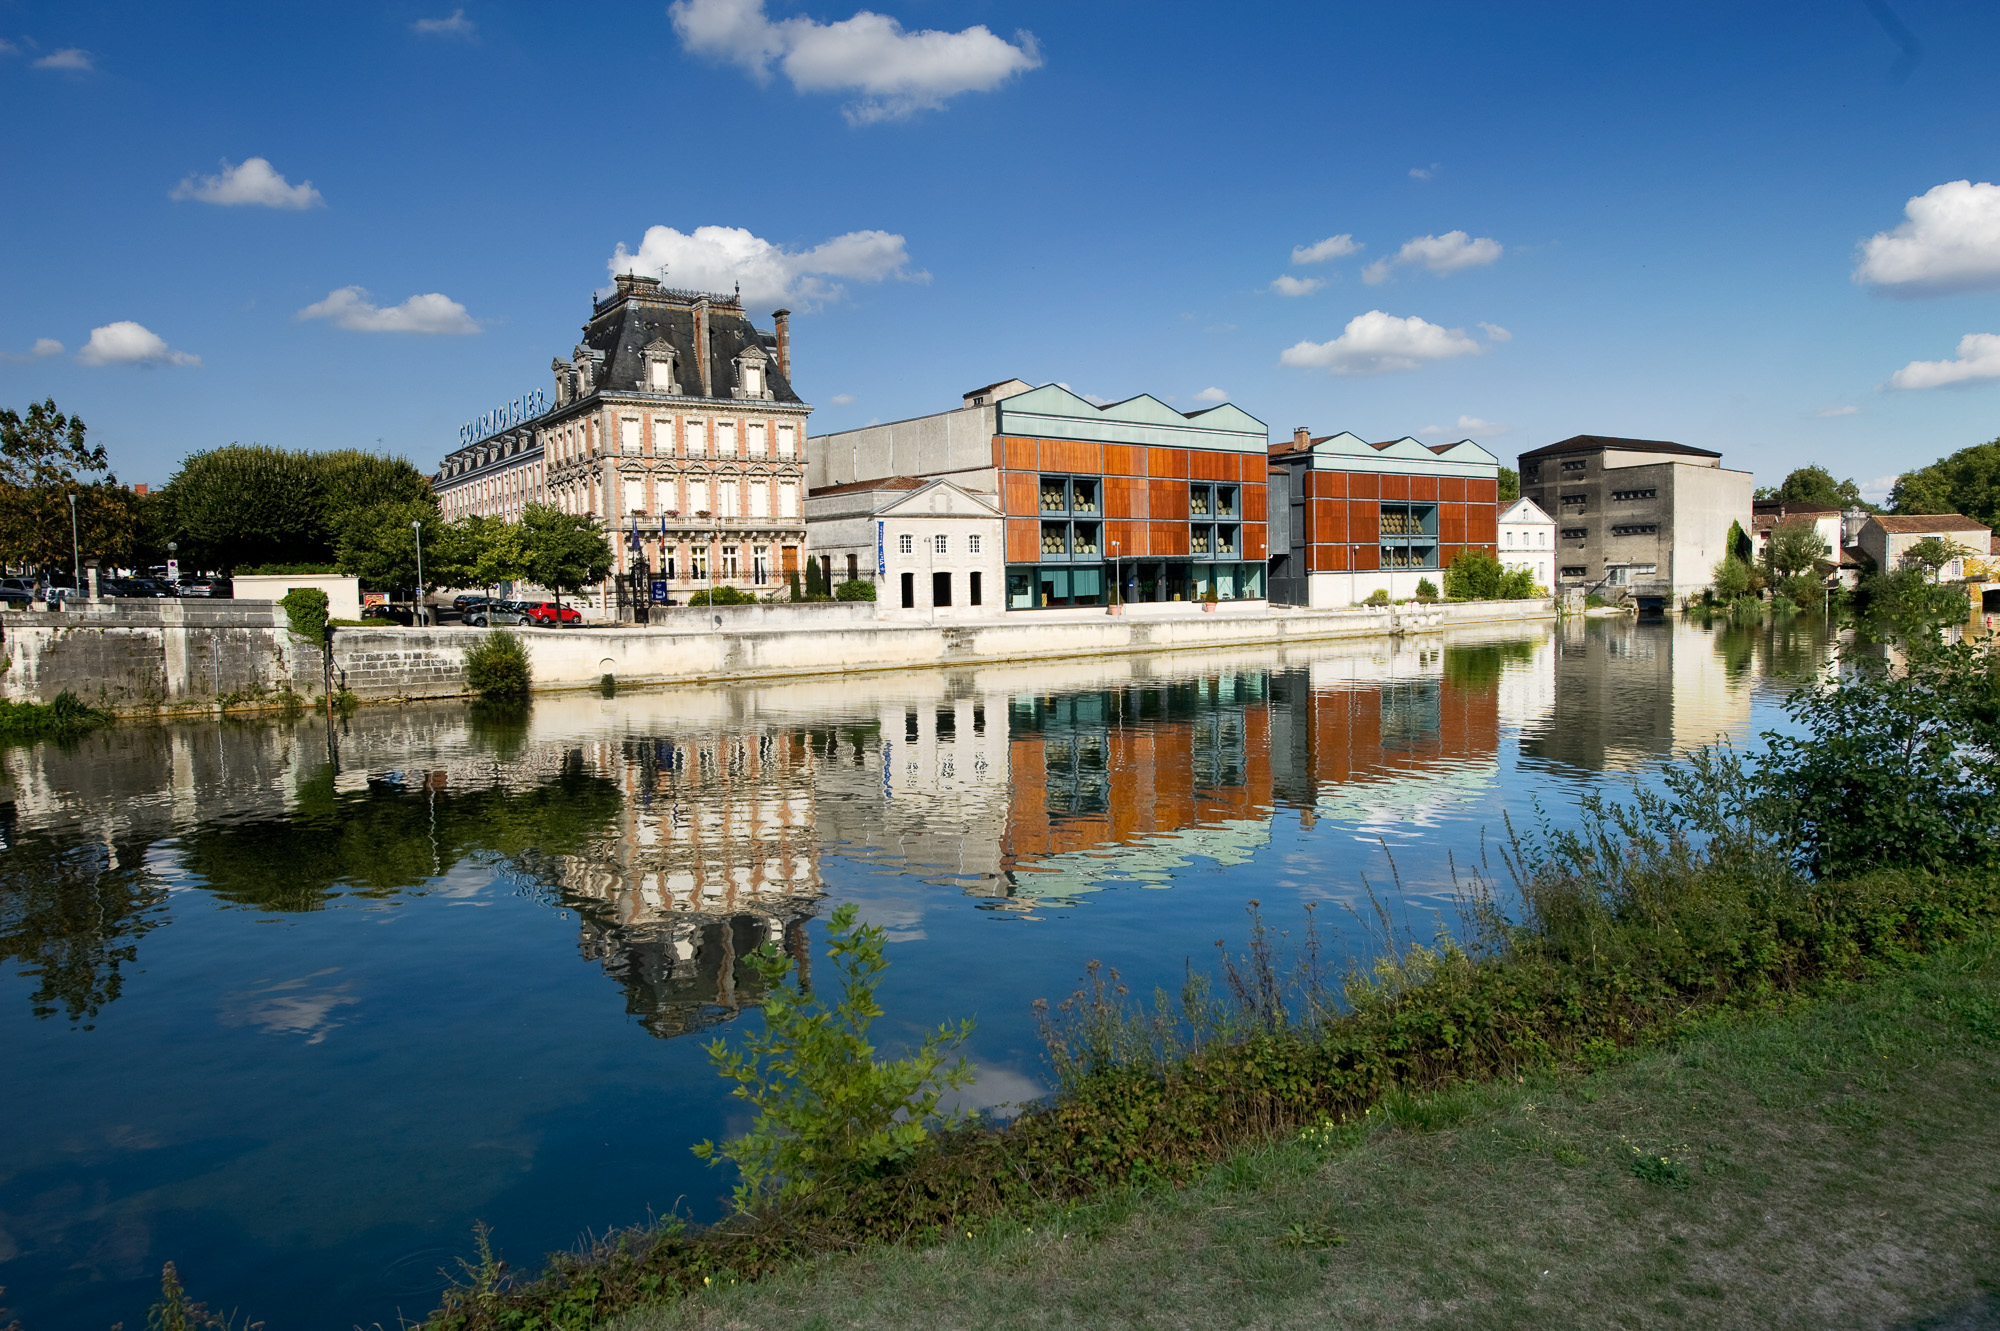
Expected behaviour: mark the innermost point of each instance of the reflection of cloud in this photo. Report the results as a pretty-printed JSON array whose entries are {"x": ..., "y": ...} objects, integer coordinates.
[
  {"x": 993, "y": 1088},
  {"x": 288, "y": 1007}
]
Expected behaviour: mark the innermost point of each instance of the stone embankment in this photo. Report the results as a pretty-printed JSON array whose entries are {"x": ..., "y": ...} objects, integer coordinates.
[{"x": 139, "y": 656}]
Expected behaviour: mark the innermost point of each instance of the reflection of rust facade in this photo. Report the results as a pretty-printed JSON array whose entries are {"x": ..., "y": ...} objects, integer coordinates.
[{"x": 1400, "y": 726}]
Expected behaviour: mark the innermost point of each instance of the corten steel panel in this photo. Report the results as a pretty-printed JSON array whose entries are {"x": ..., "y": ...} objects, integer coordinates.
[
  {"x": 1253, "y": 541},
  {"x": 1482, "y": 524},
  {"x": 1452, "y": 489},
  {"x": 1321, "y": 558},
  {"x": 1169, "y": 538},
  {"x": 1363, "y": 485},
  {"x": 1321, "y": 527},
  {"x": 1326, "y": 484},
  {"x": 1335, "y": 521},
  {"x": 1023, "y": 494},
  {"x": 1167, "y": 501},
  {"x": 1131, "y": 538},
  {"x": 1364, "y": 521},
  {"x": 1073, "y": 456},
  {"x": 1447, "y": 553},
  {"x": 1124, "y": 460},
  {"x": 1207, "y": 465},
  {"x": 1395, "y": 487},
  {"x": 1124, "y": 497},
  {"x": 1451, "y": 524},
  {"x": 1000, "y": 452},
  {"x": 1367, "y": 558},
  {"x": 1167, "y": 462},
  {"x": 1024, "y": 540},
  {"x": 1022, "y": 455},
  {"x": 1253, "y": 503},
  {"x": 1424, "y": 488},
  {"x": 1482, "y": 492}
]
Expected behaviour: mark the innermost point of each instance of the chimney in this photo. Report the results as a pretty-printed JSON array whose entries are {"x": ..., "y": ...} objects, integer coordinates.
[
  {"x": 1302, "y": 436},
  {"x": 783, "y": 319},
  {"x": 701, "y": 343}
]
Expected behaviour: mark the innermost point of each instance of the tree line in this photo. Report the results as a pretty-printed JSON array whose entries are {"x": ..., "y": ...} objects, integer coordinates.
[{"x": 240, "y": 508}]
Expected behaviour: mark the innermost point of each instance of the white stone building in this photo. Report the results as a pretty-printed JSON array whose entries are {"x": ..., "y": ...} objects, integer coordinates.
[
  {"x": 675, "y": 425},
  {"x": 1528, "y": 540},
  {"x": 934, "y": 551}
]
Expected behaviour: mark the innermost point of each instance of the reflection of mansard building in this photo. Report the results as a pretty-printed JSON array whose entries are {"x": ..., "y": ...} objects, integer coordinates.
[{"x": 675, "y": 423}]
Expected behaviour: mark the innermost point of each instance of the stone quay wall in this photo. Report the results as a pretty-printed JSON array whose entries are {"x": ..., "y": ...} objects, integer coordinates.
[{"x": 139, "y": 656}]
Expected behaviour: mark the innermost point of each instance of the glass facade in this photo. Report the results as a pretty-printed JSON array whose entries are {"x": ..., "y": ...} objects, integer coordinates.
[
  {"x": 1409, "y": 535},
  {"x": 1073, "y": 568}
]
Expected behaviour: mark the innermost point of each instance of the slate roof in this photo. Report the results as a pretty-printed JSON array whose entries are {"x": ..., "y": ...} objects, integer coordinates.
[
  {"x": 859, "y": 487},
  {"x": 1598, "y": 443},
  {"x": 1922, "y": 523},
  {"x": 623, "y": 325}
]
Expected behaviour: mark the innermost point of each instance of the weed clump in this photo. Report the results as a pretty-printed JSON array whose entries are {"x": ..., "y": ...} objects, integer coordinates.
[
  {"x": 497, "y": 666},
  {"x": 65, "y": 718}
]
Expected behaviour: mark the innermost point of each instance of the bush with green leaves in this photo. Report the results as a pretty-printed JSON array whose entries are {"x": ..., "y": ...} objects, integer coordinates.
[
  {"x": 1426, "y": 590},
  {"x": 1380, "y": 596},
  {"x": 305, "y": 612},
  {"x": 855, "y": 589},
  {"x": 816, "y": 589},
  {"x": 1478, "y": 575},
  {"x": 829, "y": 1111},
  {"x": 1906, "y": 605},
  {"x": 497, "y": 666},
  {"x": 723, "y": 596}
]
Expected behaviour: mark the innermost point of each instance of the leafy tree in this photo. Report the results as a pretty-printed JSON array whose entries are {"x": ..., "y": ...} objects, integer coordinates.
[
  {"x": 1814, "y": 486},
  {"x": 1967, "y": 482},
  {"x": 1795, "y": 547},
  {"x": 1740, "y": 544},
  {"x": 46, "y": 459},
  {"x": 562, "y": 551},
  {"x": 829, "y": 1110},
  {"x": 1733, "y": 578},
  {"x": 1510, "y": 485},
  {"x": 816, "y": 589},
  {"x": 351, "y": 479},
  {"x": 472, "y": 551},
  {"x": 248, "y": 504},
  {"x": 1932, "y": 553},
  {"x": 378, "y": 545}
]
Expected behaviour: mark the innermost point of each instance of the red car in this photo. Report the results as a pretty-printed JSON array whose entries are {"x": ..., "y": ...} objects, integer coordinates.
[{"x": 549, "y": 615}]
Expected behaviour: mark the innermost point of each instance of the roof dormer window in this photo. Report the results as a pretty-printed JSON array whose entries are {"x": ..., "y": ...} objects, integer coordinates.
[
  {"x": 661, "y": 366},
  {"x": 753, "y": 374}
]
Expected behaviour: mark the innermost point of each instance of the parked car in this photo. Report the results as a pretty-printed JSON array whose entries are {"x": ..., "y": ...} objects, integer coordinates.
[
  {"x": 390, "y": 613},
  {"x": 18, "y": 593},
  {"x": 144, "y": 588},
  {"x": 498, "y": 612},
  {"x": 468, "y": 602},
  {"x": 214, "y": 587},
  {"x": 548, "y": 615}
]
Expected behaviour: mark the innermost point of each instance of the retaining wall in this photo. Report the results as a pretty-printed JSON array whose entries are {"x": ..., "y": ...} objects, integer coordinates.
[{"x": 137, "y": 655}]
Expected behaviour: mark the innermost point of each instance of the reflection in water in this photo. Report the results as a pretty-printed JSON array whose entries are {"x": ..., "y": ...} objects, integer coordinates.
[{"x": 376, "y": 907}]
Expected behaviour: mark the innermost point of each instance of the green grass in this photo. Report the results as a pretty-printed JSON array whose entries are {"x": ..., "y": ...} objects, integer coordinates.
[
  {"x": 66, "y": 717},
  {"x": 1834, "y": 1165}
]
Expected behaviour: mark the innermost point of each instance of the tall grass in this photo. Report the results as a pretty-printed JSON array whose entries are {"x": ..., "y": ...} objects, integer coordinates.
[{"x": 66, "y": 717}]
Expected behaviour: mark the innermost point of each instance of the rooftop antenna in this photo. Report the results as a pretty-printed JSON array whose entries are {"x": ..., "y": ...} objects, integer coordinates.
[
  {"x": 739, "y": 292},
  {"x": 663, "y": 274}
]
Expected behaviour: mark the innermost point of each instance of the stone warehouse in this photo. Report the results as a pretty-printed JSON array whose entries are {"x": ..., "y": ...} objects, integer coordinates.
[{"x": 675, "y": 424}]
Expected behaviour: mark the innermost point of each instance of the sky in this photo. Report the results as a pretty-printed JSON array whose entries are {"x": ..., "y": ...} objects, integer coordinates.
[{"x": 1770, "y": 230}]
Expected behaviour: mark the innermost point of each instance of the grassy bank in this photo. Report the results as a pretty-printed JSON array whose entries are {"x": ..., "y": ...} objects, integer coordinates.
[
  {"x": 1836, "y": 1164},
  {"x": 63, "y": 718}
]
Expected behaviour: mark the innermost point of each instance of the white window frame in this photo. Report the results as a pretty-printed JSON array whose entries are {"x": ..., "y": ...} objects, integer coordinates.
[{"x": 906, "y": 544}]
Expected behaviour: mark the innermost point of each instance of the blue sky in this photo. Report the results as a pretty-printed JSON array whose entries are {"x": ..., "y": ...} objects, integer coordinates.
[{"x": 1651, "y": 221}]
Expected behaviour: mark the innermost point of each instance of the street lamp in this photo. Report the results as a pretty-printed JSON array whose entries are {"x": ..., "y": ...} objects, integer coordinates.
[
  {"x": 75, "y": 548},
  {"x": 1117, "y": 578},
  {"x": 174, "y": 566},
  {"x": 418, "y": 527}
]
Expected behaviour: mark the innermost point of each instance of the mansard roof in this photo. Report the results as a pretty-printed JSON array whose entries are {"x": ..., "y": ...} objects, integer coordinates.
[
  {"x": 1598, "y": 443},
  {"x": 640, "y": 312}
]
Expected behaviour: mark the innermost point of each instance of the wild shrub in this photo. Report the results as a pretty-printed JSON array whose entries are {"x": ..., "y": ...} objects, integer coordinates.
[
  {"x": 828, "y": 1110},
  {"x": 497, "y": 666},
  {"x": 1380, "y": 596},
  {"x": 855, "y": 589},
  {"x": 65, "y": 717},
  {"x": 722, "y": 596},
  {"x": 1426, "y": 590}
]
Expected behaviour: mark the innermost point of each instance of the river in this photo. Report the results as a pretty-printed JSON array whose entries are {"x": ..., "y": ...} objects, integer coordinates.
[{"x": 295, "y": 1005}]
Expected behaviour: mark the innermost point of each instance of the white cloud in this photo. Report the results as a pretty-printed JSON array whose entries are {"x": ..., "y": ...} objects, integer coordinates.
[
  {"x": 72, "y": 58},
  {"x": 44, "y": 347},
  {"x": 1978, "y": 362},
  {"x": 896, "y": 73},
  {"x": 458, "y": 25},
  {"x": 1495, "y": 333},
  {"x": 1211, "y": 395},
  {"x": 1827, "y": 413},
  {"x": 127, "y": 343},
  {"x": 843, "y": 399},
  {"x": 1468, "y": 425},
  {"x": 8, "y": 48},
  {"x": 1950, "y": 242},
  {"x": 251, "y": 182},
  {"x": 714, "y": 258},
  {"x": 1423, "y": 172},
  {"x": 351, "y": 309},
  {"x": 1877, "y": 490},
  {"x": 1378, "y": 343},
  {"x": 1449, "y": 253},
  {"x": 1333, "y": 247},
  {"x": 1287, "y": 285}
]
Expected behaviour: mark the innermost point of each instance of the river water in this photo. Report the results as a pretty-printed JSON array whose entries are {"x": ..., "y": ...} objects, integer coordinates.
[{"x": 295, "y": 1005}]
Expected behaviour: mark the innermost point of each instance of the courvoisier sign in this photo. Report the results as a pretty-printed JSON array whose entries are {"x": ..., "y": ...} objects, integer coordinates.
[{"x": 504, "y": 417}]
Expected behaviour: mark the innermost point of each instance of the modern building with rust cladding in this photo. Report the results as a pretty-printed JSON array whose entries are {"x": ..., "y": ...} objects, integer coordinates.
[
  {"x": 1351, "y": 518},
  {"x": 1171, "y": 503}
]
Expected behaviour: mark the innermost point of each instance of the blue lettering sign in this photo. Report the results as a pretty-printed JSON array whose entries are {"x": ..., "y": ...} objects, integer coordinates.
[
  {"x": 659, "y": 592},
  {"x": 881, "y": 561}
]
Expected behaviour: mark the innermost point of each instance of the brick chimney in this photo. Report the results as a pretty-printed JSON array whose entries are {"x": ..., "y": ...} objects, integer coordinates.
[
  {"x": 783, "y": 319},
  {"x": 1302, "y": 436},
  {"x": 701, "y": 344}
]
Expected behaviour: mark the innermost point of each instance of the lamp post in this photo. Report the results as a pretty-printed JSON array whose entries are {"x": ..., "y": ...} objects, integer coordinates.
[
  {"x": 75, "y": 548},
  {"x": 417, "y": 526},
  {"x": 174, "y": 566},
  {"x": 1117, "y": 578}
]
